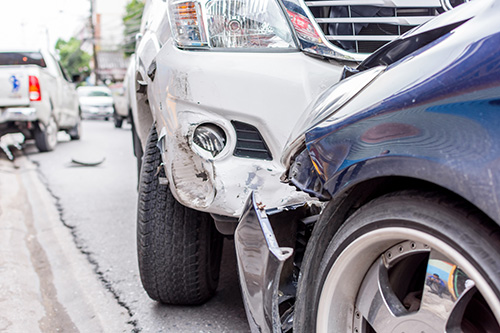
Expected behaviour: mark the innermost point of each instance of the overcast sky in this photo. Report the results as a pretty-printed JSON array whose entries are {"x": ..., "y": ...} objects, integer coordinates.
[{"x": 26, "y": 23}]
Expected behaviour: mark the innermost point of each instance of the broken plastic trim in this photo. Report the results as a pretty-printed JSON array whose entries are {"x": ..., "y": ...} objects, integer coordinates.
[
  {"x": 152, "y": 70},
  {"x": 260, "y": 262},
  {"x": 305, "y": 177}
]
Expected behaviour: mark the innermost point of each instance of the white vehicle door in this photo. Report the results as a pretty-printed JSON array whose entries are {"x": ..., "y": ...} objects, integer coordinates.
[
  {"x": 69, "y": 98},
  {"x": 63, "y": 94}
]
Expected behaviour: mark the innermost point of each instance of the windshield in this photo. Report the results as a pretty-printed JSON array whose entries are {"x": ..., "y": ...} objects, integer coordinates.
[
  {"x": 21, "y": 58},
  {"x": 93, "y": 93}
]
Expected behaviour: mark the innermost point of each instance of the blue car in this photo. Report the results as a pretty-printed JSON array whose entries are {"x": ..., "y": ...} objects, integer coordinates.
[{"x": 402, "y": 158}]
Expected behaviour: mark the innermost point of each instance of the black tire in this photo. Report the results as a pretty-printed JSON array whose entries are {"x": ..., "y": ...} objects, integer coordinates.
[
  {"x": 75, "y": 133},
  {"x": 46, "y": 135},
  {"x": 396, "y": 242},
  {"x": 118, "y": 120},
  {"x": 179, "y": 249}
]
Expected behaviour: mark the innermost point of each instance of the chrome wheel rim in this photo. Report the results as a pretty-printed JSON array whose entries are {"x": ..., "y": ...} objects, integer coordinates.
[{"x": 358, "y": 297}]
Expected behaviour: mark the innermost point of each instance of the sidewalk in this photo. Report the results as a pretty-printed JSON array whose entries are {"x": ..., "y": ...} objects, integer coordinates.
[{"x": 46, "y": 283}]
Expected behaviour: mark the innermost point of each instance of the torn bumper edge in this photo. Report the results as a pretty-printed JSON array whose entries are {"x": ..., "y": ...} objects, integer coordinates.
[{"x": 260, "y": 262}]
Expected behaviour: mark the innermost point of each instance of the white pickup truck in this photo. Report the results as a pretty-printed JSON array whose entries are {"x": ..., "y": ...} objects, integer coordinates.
[{"x": 37, "y": 98}]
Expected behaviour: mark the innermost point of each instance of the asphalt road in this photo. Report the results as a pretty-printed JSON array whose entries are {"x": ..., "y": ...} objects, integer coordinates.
[
  {"x": 46, "y": 284},
  {"x": 98, "y": 205}
]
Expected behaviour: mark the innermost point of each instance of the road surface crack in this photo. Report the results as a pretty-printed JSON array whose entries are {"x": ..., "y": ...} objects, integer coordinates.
[{"x": 79, "y": 243}]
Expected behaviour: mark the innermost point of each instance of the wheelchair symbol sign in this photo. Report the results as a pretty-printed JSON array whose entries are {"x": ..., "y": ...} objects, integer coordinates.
[{"x": 16, "y": 84}]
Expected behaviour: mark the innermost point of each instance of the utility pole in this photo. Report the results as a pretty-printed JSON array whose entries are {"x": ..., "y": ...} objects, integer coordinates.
[
  {"x": 92, "y": 29},
  {"x": 47, "y": 37}
]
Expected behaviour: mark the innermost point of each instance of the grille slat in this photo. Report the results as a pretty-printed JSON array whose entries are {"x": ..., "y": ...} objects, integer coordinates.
[
  {"x": 386, "y": 38},
  {"x": 257, "y": 151},
  {"x": 249, "y": 142},
  {"x": 378, "y": 3},
  {"x": 251, "y": 145},
  {"x": 412, "y": 20}
]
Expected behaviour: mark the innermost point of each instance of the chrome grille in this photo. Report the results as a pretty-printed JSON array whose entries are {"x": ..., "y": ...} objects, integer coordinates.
[{"x": 369, "y": 24}]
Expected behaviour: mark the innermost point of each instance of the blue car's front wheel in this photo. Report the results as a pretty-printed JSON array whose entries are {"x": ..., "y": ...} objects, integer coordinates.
[{"x": 406, "y": 262}]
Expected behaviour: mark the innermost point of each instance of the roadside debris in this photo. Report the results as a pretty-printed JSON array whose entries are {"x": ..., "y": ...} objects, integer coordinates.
[
  {"x": 11, "y": 140},
  {"x": 88, "y": 163},
  {"x": 89, "y": 160}
]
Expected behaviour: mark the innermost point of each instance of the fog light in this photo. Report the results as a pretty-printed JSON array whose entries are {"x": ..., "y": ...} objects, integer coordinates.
[{"x": 210, "y": 137}]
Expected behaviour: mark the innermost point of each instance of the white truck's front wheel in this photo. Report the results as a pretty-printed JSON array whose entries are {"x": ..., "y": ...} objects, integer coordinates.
[{"x": 179, "y": 249}]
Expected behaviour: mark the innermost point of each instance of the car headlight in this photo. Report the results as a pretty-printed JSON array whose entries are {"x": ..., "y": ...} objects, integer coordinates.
[
  {"x": 328, "y": 103},
  {"x": 230, "y": 24}
]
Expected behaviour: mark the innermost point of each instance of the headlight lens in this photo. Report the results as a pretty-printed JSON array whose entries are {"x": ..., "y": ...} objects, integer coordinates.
[
  {"x": 210, "y": 138},
  {"x": 230, "y": 24}
]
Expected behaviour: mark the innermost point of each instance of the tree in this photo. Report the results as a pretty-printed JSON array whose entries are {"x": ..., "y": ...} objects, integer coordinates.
[
  {"x": 132, "y": 22},
  {"x": 73, "y": 59}
]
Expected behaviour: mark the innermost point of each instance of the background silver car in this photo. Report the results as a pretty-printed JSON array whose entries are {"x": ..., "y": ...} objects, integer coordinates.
[{"x": 96, "y": 102}]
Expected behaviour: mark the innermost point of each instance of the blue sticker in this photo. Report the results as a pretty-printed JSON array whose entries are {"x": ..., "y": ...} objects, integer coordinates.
[{"x": 15, "y": 83}]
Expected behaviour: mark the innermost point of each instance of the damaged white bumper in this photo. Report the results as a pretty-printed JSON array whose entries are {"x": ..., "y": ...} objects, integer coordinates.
[
  {"x": 254, "y": 100},
  {"x": 219, "y": 185}
]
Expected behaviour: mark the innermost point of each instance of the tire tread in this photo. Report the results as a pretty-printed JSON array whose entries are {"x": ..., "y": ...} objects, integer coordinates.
[{"x": 172, "y": 240}]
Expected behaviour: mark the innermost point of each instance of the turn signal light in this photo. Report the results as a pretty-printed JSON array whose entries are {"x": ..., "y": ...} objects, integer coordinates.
[{"x": 188, "y": 26}]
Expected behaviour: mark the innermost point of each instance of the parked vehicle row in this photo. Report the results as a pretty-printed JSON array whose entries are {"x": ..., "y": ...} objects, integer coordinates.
[{"x": 396, "y": 163}]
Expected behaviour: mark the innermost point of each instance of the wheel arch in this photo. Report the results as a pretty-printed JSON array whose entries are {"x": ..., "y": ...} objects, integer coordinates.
[
  {"x": 344, "y": 203},
  {"x": 472, "y": 180},
  {"x": 48, "y": 110},
  {"x": 142, "y": 116}
]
